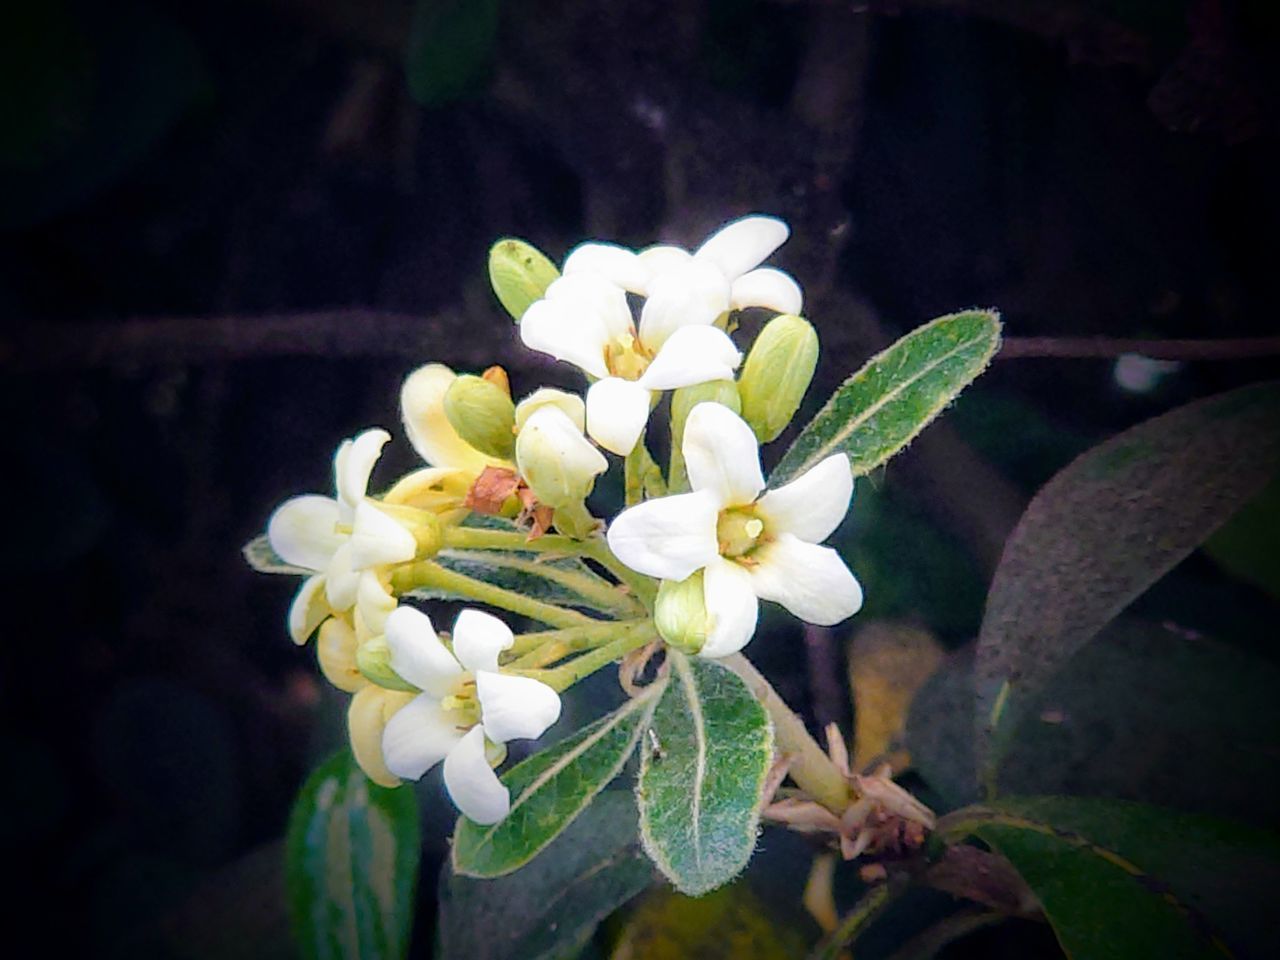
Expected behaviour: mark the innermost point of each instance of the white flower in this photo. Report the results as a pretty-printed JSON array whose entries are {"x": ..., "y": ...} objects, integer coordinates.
[
  {"x": 337, "y": 537},
  {"x": 557, "y": 462},
  {"x": 584, "y": 319},
  {"x": 748, "y": 549},
  {"x": 429, "y": 728}
]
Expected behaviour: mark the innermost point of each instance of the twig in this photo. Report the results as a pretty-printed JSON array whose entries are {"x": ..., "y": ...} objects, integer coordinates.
[{"x": 1084, "y": 348}]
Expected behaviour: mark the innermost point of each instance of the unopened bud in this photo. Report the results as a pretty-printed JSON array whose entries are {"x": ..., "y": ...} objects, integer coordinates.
[
  {"x": 724, "y": 392},
  {"x": 483, "y": 415},
  {"x": 497, "y": 375},
  {"x": 570, "y": 403},
  {"x": 336, "y": 651},
  {"x": 777, "y": 373},
  {"x": 373, "y": 658},
  {"x": 371, "y": 708},
  {"x": 557, "y": 462},
  {"x": 520, "y": 274},
  {"x": 680, "y": 613}
]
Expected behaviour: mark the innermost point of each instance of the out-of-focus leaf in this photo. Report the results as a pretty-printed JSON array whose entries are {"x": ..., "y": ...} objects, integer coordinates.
[
  {"x": 885, "y": 405},
  {"x": 888, "y": 664},
  {"x": 731, "y": 923},
  {"x": 1246, "y": 546},
  {"x": 550, "y": 908},
  {"x": 259, "y": 555},
  {"x": 701, "y": 778},
  {"x": 939, "y": 738},
  {"x": 351, "y": 864},
  {"x": 1106, "y": 528},
  {"x": 450, "y": 49},
  {"x": 1121, "y": 880},
  {"x": 551, "y": 788}
]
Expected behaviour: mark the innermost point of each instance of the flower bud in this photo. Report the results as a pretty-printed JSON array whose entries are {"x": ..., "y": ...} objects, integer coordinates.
[
  {"x": 557, "y": 462},
  {"x": 371, "y": 708},
  {"x": 570, "y": 403},
  {"x": 336, "y": 651},
  {"x": 520, "y": 274},
  {"x": 373, "y": 658},
  {"x": 680, "y": 613},
  {"x": 483, "y": 415},
  {"x": 776, "y": 374},
  {"x": 724, "y": 392}
]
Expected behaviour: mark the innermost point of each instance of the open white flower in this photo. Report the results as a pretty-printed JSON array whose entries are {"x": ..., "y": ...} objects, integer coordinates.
[
  {"x": 748, "y": 549},
  {"x": 433, "y": 726},
  {"x": 337, "y": 537}
]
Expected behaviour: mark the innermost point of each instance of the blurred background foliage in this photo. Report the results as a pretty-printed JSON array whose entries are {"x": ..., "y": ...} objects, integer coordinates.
[{"x": 227, "y": 230}]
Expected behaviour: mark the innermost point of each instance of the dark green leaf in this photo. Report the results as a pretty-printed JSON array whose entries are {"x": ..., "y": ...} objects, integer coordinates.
[
  {"x": 551, "y": 788},
  {"x": 551, "y": 907},
  {"x": 450, "y": 49},
  {"x": 351, "y": 864},
  {"x": 1106, "y": 528},
  {"x": 701, "y": 778},
  {"x": 262, "y": 558},
  {"x": 1119, "y": 879},
  {"x": 885, "y": 405},
  {"x": 1246, "y": 545}
]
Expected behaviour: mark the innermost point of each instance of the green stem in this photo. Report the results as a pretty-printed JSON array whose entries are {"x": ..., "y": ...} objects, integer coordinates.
[
  {"x": 644, "y": 588},
  {"x": 641, "y": 475},
  {"x": 532, "y": 650},
  {"x": 811, "y": 768},
  {"x": 856, "y": 920},
  {"x": 427, "y": 573},
  {"x": 634, "y": 636},
  {"x": 596, "y": 592}
]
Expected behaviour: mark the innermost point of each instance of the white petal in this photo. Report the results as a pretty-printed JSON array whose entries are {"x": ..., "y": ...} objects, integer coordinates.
[
  {"x": 810, "y": 581},
  {"x": 478, "y": 638},
  {"x": 721, "y": 455},
  {"x": 417, "y": 653},
  {"x": 812, "y": 505},
  {"x": 570, "y": 403},
  {"x": 376, "y": 539},
  {"x": 743, "y": 244},
  {"x": 692, "y": 355},
  {"x": 669, "y": 537},
  {"x": 352, "y": 466},
  {"x": 732, "y": 608},
  {"x": 471, "y": 782},
  {"x": 303, "y": 531},
  {"x": 661, "y": 259},
  {"x": 557, "y": 462},
  {"x": 429, "y": 430},
  {"x": 341, "y": 580},
  {"x": 418, "y": 736},
  {"x": 309, "y": 609},
  {"x": 694, "y": 294},
  {"x": 616, "y": 264},
  {"x": 592, "y": 295},
  {"x": 617, "y": 411},
  {"x": 557, "y": 329},
  {"x": 515, "y": 708},
  {"x": 374, "y": 603},
  {"x": 767, "y": 287}
]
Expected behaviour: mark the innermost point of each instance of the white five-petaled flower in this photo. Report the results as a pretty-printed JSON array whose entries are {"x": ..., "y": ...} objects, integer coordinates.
[
  {"x": 584, "y": 319},
  {"x": 337, "y": 537},
  {"x": 430, "y": 728},
  {"x": 748, "y": 549}
]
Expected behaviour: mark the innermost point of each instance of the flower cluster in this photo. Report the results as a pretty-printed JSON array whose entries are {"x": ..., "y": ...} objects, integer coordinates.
[{"x": 504, "y": 491}]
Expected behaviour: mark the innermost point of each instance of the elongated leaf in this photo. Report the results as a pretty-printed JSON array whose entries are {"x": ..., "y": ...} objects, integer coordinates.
[
  {"x": 1120, "y": 880},
  {"x": 885, "y": 405},
  {"x": 262, "y": 558},
  {"x": 550, "y": 788},
  {"x": 550, "y": 908},
  {"x": 351, "y": 864},
  {"x": 701, "y": 779},
  {"x": 1106, "y": 528}
]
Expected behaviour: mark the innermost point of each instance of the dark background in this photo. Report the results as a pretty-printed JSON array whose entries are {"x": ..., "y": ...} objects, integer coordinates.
[{"x": 227, "y": 230}]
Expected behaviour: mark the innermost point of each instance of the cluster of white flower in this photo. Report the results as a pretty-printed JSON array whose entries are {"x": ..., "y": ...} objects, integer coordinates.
[{"x": 715, "y": 540}]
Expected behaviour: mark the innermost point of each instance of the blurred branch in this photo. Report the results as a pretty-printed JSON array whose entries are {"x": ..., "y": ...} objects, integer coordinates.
[{"x": 1081, "y": 348}]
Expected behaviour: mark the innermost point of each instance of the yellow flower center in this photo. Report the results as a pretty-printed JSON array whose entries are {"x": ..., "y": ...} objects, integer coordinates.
[
  {"x": 738, "y": 531},
  {"x": 627, "y": 357}
]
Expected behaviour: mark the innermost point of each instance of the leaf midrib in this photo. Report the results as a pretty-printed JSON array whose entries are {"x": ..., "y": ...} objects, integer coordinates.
[{"x": 700, "y": 734}]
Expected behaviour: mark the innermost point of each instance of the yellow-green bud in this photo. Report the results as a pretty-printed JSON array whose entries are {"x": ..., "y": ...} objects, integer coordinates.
[
  {"x": 776, "y": 374},
  {"x": 336, "y": 651},
  {"x": 483, "y": 414},
  {"x": 557, "y": 462},
  {"x": 574, "y": 520},
  {"x": 724, "y": 392},
  {"x": 680, "y": 613},
  {"x": 520, "y": 274},
  {"x": 374, "y": 660}
]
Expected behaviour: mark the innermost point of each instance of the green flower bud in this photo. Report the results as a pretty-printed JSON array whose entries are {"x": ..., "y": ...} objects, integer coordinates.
[
  {"x": 483, "y": 415},
  {"x": 374, "y": 660},
  {"x": 680, "y": 613},
  {"x": 557, "y": 462},
  {"x": 776, "y": 374},
  {"x": 520, "y": 274},
  {"x": 724, "y": 392}
]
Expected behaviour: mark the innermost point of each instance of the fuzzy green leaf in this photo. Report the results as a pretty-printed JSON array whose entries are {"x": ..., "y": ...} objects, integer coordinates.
[
  {"x": 701, "y": 778},
  {"x": 351, "y": 864},
  {"x": 885, "y": 405},
  {"x": 1104, "y": 530},
  {"x": 259, "y": 555},
  {"x": 550, "y": 789}
]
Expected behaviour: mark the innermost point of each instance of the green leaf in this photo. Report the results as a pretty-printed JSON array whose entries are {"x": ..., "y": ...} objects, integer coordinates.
[
  {"x": 551, "y": 907},
  {"x": 701, "y": 779},
  {"x": 1246, "y": 546},
  {"x": 450, "y": 48},
  {"x": 351, "y": 864},
  {"x": 1106, "y": 528},
  {"x": 551, "y": 788},
  {"x": 264, "y": 559},
  {"x": 1120, "y": 880},
  {"x": 885, "y": 405}
]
